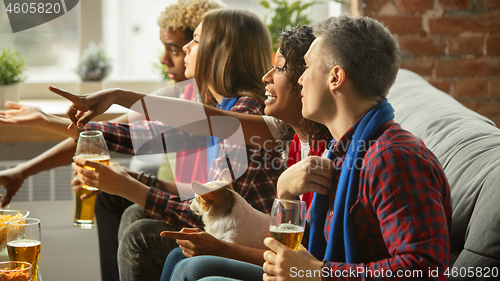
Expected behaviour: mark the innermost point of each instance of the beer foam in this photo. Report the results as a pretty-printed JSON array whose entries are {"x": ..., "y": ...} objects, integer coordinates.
[
  {"x": 286, "y": 227},
  {"x": 93, "y": 157},
  {"x": 24, "y": 243}
]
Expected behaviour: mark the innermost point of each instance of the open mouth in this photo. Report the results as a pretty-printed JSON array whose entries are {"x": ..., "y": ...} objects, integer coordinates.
[{"x": 270, "y": 97}]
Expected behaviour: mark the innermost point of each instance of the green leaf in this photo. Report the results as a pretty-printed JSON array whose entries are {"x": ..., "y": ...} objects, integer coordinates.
[
  {"x": 305, "y": 7},
  {"x": 282, "y": 15},
  {"x": 265, "y": 4},
  {"x": 294, "y": 6},
  {"x": 12, "y": 67}
]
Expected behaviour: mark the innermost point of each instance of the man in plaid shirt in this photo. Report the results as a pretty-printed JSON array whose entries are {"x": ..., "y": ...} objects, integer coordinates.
[{"x": 382, "y": 208}]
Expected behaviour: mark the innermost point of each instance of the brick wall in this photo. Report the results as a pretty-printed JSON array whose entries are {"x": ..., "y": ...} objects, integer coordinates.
[{"x": 454, "y": 44}]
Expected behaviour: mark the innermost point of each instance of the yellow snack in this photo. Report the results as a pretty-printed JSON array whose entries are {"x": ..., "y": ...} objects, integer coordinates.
[
  {"x": 3, "y": 227},
  {"x": 14, "y": 276}
]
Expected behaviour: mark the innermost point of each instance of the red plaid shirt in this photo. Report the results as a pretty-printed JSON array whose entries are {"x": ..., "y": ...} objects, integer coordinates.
[
  {"x": 402, "y": 216},
  {"x": 257, "y": 185}
]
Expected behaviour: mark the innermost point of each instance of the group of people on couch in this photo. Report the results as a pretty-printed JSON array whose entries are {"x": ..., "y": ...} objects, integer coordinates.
[{"x": 381, "y": 203}]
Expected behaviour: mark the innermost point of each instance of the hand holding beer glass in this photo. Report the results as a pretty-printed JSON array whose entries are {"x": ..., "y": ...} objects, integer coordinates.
[
  {"x": 288, "y": 221},
  {"x": 24, "y": 243},
  {"x": 91, "y": 146}
]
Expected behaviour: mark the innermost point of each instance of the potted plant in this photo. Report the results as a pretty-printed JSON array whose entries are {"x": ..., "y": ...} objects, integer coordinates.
[
  {"x": 12, "y": 68},
  {"x": 93, "y": 67},
  {"x": 286, "y": 15}
]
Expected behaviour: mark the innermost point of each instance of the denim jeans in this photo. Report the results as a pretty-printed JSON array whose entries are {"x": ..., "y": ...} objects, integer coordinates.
[
  {"x": 108, "y": 212},
  {"x": 173, "y": 258},
  {"x": 195, "y": 268}
]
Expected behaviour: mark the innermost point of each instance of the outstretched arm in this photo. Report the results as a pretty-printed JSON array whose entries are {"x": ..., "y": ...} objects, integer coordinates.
[
  {"x": 87, "y": 107},
  {"x": 189, "y": 116},
  {"x": 59, "y": 155},
  {"x": 33, "y": 117}
]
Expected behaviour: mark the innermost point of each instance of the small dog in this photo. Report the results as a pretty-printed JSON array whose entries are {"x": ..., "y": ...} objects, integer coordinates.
[{"x": 227, "y": 215}]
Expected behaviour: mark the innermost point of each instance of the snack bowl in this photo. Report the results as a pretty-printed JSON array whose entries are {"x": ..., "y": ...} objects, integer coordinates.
[
  {"x": 5, "y": 217},
  {"x": 15, "y": 271}
]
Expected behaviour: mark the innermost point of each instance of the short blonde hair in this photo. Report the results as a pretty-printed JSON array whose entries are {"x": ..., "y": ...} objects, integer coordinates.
[{"x": 186, "y": 14}]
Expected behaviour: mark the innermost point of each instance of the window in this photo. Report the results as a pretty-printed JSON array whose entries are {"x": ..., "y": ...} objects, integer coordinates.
[
  {"x": 126, "y": 28},
  {"x": 50, "y": 49},
  {"x": 131, "y": 37}
]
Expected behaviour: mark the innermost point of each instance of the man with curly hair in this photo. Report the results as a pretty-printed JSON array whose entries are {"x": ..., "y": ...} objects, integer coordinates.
[
  {"x": 177, "y": 24},
  {"x": 116, "y": 215}
]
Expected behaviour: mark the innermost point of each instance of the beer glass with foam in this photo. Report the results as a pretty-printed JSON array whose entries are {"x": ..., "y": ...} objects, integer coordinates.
[
  {"x": 288, "y": 220},
  {"x": 24, "y": 242},
  {"x": 91, "y": 146}
]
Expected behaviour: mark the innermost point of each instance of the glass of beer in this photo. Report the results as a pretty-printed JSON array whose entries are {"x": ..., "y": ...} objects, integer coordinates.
[
  {"x": 91, "y": 146},
  {"x": 24, "y": 243},
  {"x": 288, "y": 220},
  {"x": 84, "y": 212}
]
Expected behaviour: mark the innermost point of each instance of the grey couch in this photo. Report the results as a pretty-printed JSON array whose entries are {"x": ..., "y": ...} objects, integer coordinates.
[{"x": 468, "y": 147}]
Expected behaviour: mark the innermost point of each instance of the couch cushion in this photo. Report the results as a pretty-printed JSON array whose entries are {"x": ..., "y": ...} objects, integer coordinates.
[{"x": 468, "y": 147}]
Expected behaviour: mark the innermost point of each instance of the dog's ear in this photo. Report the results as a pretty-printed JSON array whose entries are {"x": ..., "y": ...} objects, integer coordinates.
[
  {"x": 202, "y": 191},
  {"x": 225, "y": 176}
]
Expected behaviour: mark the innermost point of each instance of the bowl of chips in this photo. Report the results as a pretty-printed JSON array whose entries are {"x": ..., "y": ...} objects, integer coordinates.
[
  {"x": 15, "y": 271},
  {"x": 5, "y": 217}
]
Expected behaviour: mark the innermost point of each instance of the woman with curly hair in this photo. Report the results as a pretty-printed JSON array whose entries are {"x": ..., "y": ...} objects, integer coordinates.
[{"x": 212, "y": 257}]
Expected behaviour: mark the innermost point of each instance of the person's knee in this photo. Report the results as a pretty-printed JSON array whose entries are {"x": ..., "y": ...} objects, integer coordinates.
[
  {"x": 134, "y": 212},
  {"x": 131, "y": 215},
  {"x": 195, "y": 268},
  {"x": 133, "y": 235},
  {"x": 142, "y": 246},
  {"x": 184, "y": 270},
  {"x": 143, "y": 236}
]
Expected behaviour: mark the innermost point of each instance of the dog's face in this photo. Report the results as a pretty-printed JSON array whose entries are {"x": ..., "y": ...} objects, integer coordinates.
[{"x": 216, "y": 195}]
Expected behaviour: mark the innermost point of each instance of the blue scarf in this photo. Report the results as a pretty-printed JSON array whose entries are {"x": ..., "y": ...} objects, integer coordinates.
[
  {"x": 213, "y": 142},
  {"x": 341, "y": 246}
]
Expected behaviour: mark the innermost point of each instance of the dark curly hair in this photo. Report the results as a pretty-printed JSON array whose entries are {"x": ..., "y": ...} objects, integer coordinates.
[{"x": 293, "y": 45}]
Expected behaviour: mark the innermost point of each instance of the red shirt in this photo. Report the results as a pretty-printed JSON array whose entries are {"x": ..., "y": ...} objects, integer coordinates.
[{"x": 402, "y": 216}]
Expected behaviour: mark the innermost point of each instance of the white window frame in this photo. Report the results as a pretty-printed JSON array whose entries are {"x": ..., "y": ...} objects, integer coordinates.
[{"x": 90, "y": 30}]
